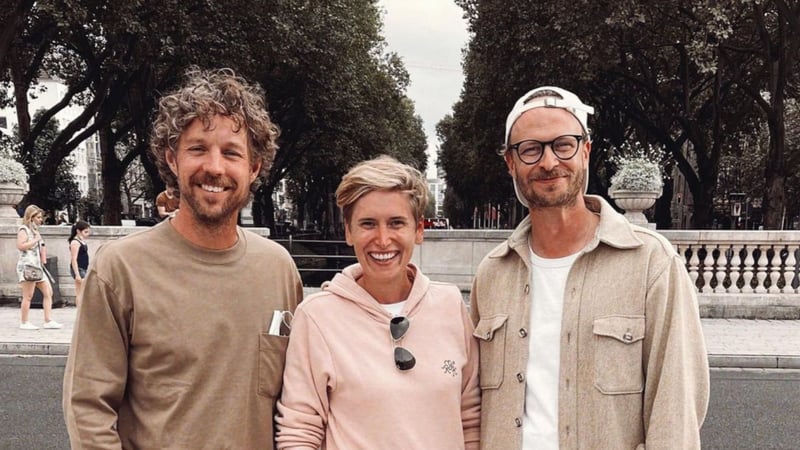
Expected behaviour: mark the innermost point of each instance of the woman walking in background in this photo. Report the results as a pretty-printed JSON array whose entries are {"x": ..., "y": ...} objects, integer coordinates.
[
  {"x": 79, "y": 255},
  {"x": 32, "y": 253}
]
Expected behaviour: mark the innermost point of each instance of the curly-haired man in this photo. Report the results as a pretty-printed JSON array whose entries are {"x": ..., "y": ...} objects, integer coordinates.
[{"x": 172, "y": 345}]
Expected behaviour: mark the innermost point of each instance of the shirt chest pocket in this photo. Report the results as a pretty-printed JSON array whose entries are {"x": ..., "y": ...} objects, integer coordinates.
[
  {"x": 491, "y": 334},
  {"x": 618, "y": 344},
  {"x": 271, "y": 359}
]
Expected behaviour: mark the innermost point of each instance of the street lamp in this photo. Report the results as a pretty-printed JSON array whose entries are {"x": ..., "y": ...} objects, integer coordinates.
[{"x": 738, "y": 206}]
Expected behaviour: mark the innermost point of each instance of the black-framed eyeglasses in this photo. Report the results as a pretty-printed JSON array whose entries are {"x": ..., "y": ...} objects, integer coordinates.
[
  {"x": 530, "y": 151},
  {"x": 403, "y": 358}
]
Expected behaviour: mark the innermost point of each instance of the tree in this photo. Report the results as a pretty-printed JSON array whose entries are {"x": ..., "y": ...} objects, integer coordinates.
[
  {"x": 654, "y": 69},
  {"x": 64, "y": 190},
  {"x": 89, "y": 207},
  {"x": 43, "y": 47},
  {"x": 328, "y": 82},
  {"x": 668, "y": 83},
  {"x": 337, "y": 99},
  {"x": 769, "y": 41},
  {"x": 12, "y": 16}
]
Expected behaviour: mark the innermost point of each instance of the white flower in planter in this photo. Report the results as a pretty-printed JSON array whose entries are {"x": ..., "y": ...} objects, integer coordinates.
[
  {"x": 639, "y": 168},
  {"x": 13, "y": 172}
]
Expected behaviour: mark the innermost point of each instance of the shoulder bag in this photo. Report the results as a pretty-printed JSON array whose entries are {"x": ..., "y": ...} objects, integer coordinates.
[{"x": 31, "y": 271}]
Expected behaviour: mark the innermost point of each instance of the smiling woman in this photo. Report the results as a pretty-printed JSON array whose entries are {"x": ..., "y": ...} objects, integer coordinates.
[
  {"x": 383, "y": 231},
  {"x": 416, "y": 366}
]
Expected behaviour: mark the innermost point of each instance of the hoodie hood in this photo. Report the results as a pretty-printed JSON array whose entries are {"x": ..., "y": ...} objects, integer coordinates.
[{"x": 344, "y": 285}]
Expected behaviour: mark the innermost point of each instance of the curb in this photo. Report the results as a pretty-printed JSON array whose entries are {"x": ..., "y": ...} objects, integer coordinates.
[
  {"x": 39, "y": 349},
  {"x": 714, "y": 361},
  {"x": 754, "y": 361}
]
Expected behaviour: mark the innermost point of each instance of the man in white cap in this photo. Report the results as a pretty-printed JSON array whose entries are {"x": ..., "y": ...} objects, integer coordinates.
[{"x": 589, "y": 329}]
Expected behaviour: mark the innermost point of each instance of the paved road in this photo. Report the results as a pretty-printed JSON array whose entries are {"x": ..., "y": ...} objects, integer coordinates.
[
  {"x": 753, "y": 409},
  {"x": 30, "y": 404},
  {"x": 749, "y": 409}
]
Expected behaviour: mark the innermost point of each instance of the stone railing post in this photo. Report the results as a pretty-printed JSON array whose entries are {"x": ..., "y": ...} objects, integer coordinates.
[
  {"x": 722, "y": 267},
  {"x": 761, "y": 269},
  {"x": 735, "y": 269},
  {"x": 790, "y": 270}
]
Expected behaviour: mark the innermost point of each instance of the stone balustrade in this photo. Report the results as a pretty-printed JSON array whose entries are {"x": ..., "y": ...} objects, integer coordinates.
[
  {"x": 743, "y": 273},
  {"x": 742, "y": 262},
  {"x": 739, "y": 274}
]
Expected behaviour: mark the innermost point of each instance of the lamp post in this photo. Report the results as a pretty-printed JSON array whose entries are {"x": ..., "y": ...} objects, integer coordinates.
[{"x": 738, "y": 207}]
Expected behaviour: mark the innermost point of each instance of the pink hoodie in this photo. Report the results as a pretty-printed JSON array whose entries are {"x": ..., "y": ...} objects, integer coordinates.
[{"x": 341, "y": 389}]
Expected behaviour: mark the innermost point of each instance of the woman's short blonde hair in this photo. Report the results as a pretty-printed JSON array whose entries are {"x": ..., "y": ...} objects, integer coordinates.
[
  {"x": 383, "y": 173},
  {"x": 30, "y": 212}
]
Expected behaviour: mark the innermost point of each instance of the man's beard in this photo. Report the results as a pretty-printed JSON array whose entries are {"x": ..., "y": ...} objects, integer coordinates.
[
  {"x": 217, "y": 214},
  {"x": 575, "y": 185}
]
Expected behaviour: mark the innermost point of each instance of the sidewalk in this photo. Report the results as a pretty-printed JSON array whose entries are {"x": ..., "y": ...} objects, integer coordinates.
[{"x": 731, "y": 343}]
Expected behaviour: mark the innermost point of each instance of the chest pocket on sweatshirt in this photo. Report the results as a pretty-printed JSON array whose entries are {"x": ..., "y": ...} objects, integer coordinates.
[
  {"x": 491, "y": 334},
  {"x": 618, "y": 344},
  {"x": 271, "y": 359}
]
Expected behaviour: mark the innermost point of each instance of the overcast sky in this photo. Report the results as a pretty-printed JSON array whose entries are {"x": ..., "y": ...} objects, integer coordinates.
[{"x": 429, "y": 35}]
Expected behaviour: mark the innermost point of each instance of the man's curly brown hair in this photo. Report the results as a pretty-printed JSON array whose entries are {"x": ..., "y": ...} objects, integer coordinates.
[{"x": 208, "y": 93}]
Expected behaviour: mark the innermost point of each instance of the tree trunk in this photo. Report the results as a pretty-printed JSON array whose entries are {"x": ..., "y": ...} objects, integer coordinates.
[
  {"x": 774, "y": 201},
  {"x": 263, "y": 208},
  {"x": 663, "y": 213},
  {"x": 21, "y": 103},
  {"x": 703, "y": 213},
  {"x": 300, "y": 212},
  {"x": 775, "y": 170},
  {"x": 112, "y": 173}
]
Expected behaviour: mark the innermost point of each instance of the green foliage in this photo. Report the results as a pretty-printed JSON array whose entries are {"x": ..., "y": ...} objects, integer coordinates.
[
  {"x": 90, "y": 209},
  {"x": 330, "y": 86},
  {"x": 687, "y": 75},
  {"x": 64, "y": 190},
  {"x": 338, "y": 99}
]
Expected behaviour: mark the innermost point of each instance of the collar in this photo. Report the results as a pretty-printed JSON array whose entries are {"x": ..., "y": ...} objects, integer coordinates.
[{"x": 614, "y": 230}]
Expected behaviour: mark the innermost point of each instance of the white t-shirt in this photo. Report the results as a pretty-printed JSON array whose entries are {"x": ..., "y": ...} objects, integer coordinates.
[
  {"x": 548, "y": 282},
  {"x": 394, "y": 308}
]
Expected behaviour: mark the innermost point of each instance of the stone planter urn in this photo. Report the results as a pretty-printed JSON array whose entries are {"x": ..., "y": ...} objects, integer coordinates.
[
  {"x": 634, "y": 203},
  {"x": 10, "y": 195}
]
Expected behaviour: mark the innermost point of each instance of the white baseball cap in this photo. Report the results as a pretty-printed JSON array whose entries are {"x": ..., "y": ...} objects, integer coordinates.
[{"x": 549, "y": 97}]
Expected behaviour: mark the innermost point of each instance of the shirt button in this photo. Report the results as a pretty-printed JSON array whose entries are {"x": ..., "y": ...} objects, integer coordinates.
[
  {"x": 527, "y": 288},
  {"x": 627, "y": 337},
  {"x": 523, "y": 332},
  {"x": 520, "y": 377},
  {"x": 518, "y": 422}
]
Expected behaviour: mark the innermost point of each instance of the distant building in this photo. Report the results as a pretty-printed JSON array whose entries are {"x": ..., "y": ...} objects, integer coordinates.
[{"x": 437, "y": 187}]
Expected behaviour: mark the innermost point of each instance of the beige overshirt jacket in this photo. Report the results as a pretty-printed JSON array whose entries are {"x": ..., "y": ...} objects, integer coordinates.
[{"x": 633, "y": 370}]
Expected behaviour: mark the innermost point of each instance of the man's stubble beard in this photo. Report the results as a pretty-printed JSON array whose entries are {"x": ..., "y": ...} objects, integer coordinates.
[
  {"x": 217, "y": 215},
  {"x": 569, "y": 198}
]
